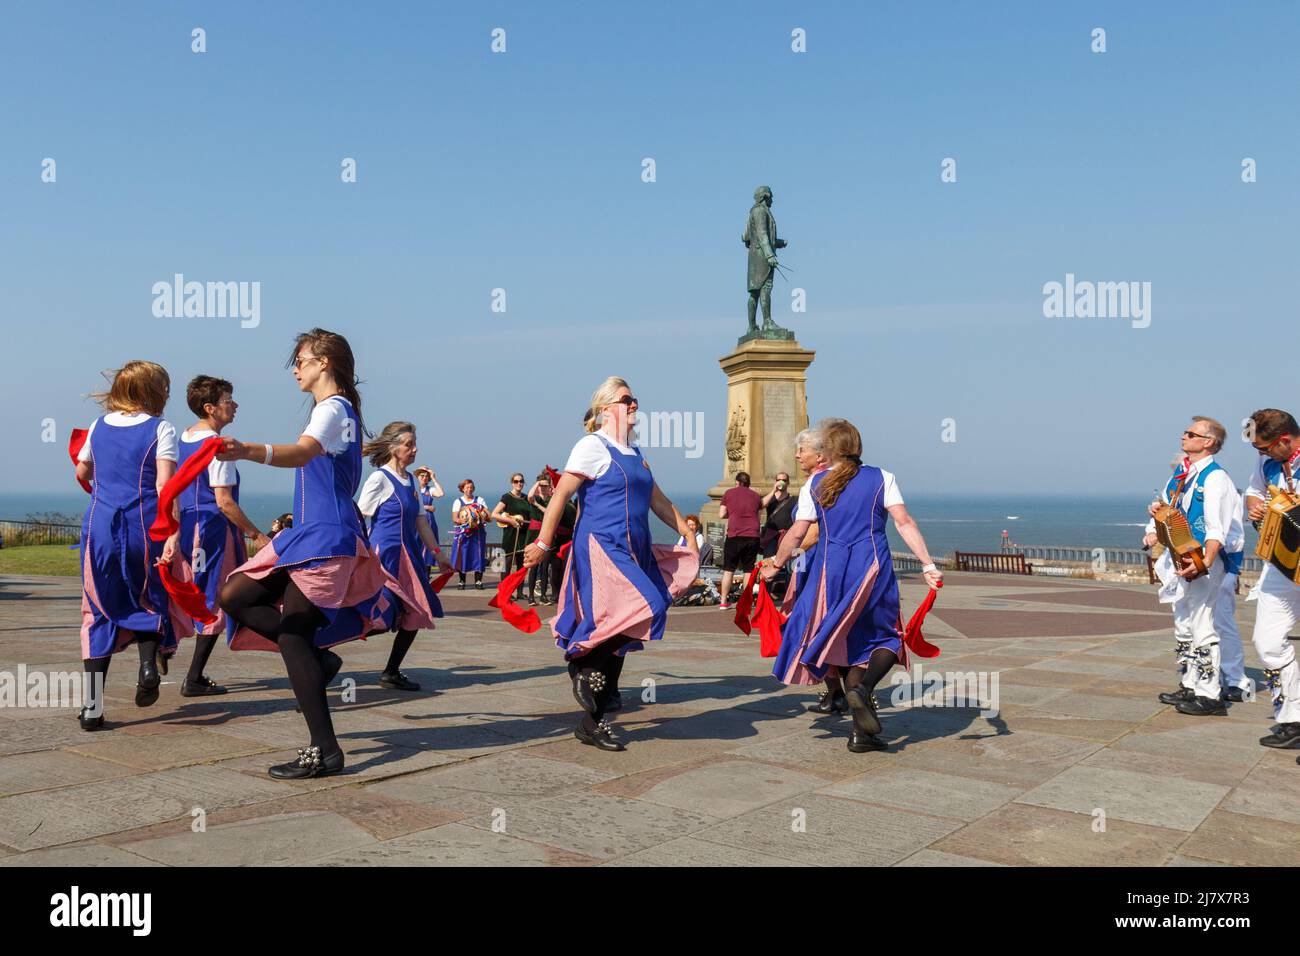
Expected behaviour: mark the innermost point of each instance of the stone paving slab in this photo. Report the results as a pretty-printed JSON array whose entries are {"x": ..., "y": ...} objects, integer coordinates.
[{"x": 725, "y": 767}]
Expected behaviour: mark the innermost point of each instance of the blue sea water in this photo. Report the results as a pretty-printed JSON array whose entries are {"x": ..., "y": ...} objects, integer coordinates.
[{"x": 948, "y": 522}]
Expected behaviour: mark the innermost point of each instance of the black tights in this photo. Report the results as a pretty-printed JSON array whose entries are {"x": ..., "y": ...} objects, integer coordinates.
[
  {"x": 602, "y": 658},
  {"x": 202, "y": 651},
  {"x": 292, "y": 626},
  {"x": 478, "y": 577},
  {"x": 401, "y": 644},
  {"x": 146, "y": 644},
  {"x": 880, "y": 663}
]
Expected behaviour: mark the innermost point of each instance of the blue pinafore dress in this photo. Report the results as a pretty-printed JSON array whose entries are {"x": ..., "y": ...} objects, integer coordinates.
[
  {"x": 468, "y": 548},
  {"x": 211, "y": 545},
  {"x": 394, "y": 536},
  {"x": 615, "y": 581},
  {"x": 122, "y": 593},
  {"x": 427, "y": 556},
  {"x": 326, "y": 552},
  {"x": 847, "y": 605}
]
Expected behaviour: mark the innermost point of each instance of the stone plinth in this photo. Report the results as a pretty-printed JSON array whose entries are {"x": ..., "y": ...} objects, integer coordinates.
[{"x": 767, "y": 406}]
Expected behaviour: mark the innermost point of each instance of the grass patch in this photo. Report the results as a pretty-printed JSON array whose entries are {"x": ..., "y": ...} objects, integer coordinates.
[{"x": 57, "y": 560}]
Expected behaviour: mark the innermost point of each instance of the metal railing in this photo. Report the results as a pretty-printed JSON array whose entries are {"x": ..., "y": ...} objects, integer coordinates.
[{"x": 14, "y": 534}]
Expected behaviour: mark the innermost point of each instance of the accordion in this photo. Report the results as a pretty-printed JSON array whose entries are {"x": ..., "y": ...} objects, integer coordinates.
[
  {"x": 1279, "y": 536},
  {"x": 1175, "y": 534}
]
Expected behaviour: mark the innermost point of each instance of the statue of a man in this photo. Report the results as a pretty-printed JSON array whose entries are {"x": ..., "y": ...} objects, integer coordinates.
[{"x": 760, "y": 238}]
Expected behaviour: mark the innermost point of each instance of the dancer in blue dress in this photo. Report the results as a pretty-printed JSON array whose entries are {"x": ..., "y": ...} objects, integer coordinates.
[
  {"x": 129, "y": 454},
  {"x": 317, "y": 584},
  {"x": 469, "y": 516},
  {"x": 847, "y": 614},
  {"x": 429, "y": 492},
  {"x": 401, "y": 535},
  {"x": 212, "y": 524},
  {"x": 617, "y": 586}
]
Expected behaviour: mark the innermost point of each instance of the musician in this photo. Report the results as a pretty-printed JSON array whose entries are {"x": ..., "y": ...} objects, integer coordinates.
[
  {"x": 1277, "y": 439},
  {"x": 1204, "y": 493}
]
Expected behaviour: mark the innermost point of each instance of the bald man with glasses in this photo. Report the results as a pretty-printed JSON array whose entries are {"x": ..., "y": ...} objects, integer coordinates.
[{"x": 1202, "y": 491}]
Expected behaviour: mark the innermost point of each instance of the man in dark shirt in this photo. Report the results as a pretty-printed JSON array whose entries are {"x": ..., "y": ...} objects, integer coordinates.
[
  {"x": 740, "y": 506},
  {"x": 780, "y": 515}
]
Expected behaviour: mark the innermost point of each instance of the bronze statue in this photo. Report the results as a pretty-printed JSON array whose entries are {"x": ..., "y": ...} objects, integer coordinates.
[{"x": 761, "y": 241}]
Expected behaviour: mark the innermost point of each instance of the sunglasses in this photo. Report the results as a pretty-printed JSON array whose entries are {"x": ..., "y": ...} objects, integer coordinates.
[
  {"x": 626, "y": 400},
  {"x": 1270, "y": 445},
  {"x": 1194, "y": 435}
]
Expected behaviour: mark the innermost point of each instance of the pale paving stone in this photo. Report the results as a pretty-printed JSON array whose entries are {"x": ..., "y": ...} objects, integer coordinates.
[
  {"x": 1163, "y": 801},
  {"x": 158, "y": 752},
  {"x": 688, "y": 851},
  {"x": 49, "y": 769},
  {"x": 266, "y": 841},
  {"x": 1105, "y": 707},
  {"x": 454, "y": 844},
  {"x": 819, "y": 749},
  {"x": 1243, "y": 840},
  {"x": 84, "y": 855},
  {"x": 500, "y": 780},
  {"x": 51, "y": 817},
  {"x": 935, "y": 858},
  {"x": 838, "y": 832},
  {"x": 1224, "y": 775},
  {"x": 598, "y": 825},
  {"x": 940, "y": 795},
  {"x": 1020, "y": 835},
  {"x": 730, "y": 787}
]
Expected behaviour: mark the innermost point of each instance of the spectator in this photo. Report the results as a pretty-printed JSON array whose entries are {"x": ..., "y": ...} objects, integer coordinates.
[
  {"x": 740, "y": 510},
  {"x": 780, "y": 514}
]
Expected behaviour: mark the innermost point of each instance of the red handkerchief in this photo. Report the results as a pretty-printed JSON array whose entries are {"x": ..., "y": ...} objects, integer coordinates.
[
  {"x": 165, "y": 524},
  {"x": 78, "y": 439},
  {"x": 523, "y": 618},
  {"x": 912, "y": 637}
]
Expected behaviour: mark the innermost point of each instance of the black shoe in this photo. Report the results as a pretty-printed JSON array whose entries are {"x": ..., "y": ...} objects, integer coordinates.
[
  {"x": 830, "y": 703},
  {"x": 863, "y": 704},
  {"x": 587, "y": 685},
  {"x": 1286, "y": 737},
  {"x": 203, "y": 687},
  {"x": 1233, "y": 695},
  {"x": 532, "y": 602},
  {"x": 1201, "y": 707},
  {"x": 478, "y": 585},
  {"x": 545, "y": 601},
  {"x": 602, "y": 737},
  {"x": 615, "y": 701},
  {"x": 146, "y": 687},
  {"x": 90, "y": 723},
  {"x": 309, "y": 764},
  {"x": 861, "y": 743},
  {"x": 461, "y": 586},
  {"x": 1177, "y": 696},
  {"x": 398, "y": 681}
]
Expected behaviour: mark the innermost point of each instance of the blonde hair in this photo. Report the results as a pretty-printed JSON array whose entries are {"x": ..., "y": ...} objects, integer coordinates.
[
  {"x": 606, "y": 394},
  {"x": 380, "y": 448},
  {"x": 137, "y": 386},
  {"x": 842, "y": 444}
]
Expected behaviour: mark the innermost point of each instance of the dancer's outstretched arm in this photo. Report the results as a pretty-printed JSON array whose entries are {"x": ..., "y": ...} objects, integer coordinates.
[
  {"x": 282, "y": 456},
  {"x": 911, "y": 535},
  {"x": 667, "y": 512}
]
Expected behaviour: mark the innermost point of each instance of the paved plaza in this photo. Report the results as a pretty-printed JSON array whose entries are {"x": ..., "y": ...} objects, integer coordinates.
[{"x": 1081, "y": 765}]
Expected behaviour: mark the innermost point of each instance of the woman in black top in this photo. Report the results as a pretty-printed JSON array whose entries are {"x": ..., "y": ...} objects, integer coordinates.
[{"x": 511, "y": 513}]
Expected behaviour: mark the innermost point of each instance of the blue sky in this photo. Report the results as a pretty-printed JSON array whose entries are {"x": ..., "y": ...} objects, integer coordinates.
[{"x": 522, "y": 171}]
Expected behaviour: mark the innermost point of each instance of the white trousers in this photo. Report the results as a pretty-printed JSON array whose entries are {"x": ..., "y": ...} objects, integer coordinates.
[
  {"x": 1277, "y": 611},
  {"x": 1197, "y": 641},
  {"x": 1232, "y": 661}
]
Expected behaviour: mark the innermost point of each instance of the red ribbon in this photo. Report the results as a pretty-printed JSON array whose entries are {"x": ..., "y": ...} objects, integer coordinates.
[
  {"x": 769, "y": 621},
  {"x": 79, "y": 436},
  {"x": 165, "y": 524},
  {"x": 523, "y": 618},
  {"x": 187, "y": 596},
  {"x": 553, "y": 475},
  {"x": 185, "y": 593},
  {"x": 441, "y": 580},
  {"x": 746, "y": 600},
  {"x": 912, "y": 637}
]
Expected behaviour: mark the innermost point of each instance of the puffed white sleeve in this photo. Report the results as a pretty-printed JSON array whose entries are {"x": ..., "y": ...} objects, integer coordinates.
[
  {"x": 222, "y": 474},
  {"x": 166, "y": 441},
  {"x": 589, "y": 457},
  {"x": 326, "y": 426},
  {"x": 805, "y": 510},
  {"x": 892, "y": 495},
  {"x": 84, "y": 454},
  {"x": 373, "y": 494}
]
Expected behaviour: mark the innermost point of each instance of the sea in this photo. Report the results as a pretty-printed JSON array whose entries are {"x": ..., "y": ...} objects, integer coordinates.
[{"x": 948, "y": 522}]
